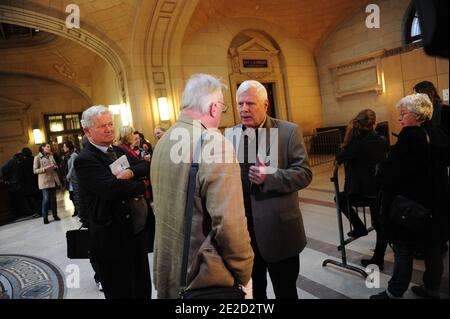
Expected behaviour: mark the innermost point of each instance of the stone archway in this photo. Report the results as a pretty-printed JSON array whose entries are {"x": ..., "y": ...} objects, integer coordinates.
[{"x": 31, "y": 19}]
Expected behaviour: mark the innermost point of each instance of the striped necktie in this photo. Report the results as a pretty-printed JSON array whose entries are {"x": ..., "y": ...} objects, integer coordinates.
[{"x": 111, "y": 153}]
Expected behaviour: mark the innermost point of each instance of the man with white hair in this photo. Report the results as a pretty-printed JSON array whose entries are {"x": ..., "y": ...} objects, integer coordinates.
[
  {"x": 220, "y": 254},
  {"x": 271, "y": 192},
  {"x": 116, "y": 246}
]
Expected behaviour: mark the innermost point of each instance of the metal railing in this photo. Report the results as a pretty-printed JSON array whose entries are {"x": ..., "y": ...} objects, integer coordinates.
[{"x": 323, "y": 146}]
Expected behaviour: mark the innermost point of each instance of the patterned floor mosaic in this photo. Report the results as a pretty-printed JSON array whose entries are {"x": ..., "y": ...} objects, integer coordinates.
[{"x": 27, "y": 277}]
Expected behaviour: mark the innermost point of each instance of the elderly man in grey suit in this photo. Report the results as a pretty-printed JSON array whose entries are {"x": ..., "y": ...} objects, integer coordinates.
[{"x": 271, "y": 190}]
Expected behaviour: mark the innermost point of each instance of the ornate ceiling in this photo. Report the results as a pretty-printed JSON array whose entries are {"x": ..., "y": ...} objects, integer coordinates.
[
  {"x": 310, "y": 20},
  {"x": 115, "y": 21}
]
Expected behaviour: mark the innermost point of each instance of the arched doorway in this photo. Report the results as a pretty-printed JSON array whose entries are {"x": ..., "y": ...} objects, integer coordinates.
[{"x": 253, "y": 55}]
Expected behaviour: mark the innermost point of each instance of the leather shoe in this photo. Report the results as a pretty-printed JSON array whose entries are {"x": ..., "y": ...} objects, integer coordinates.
[
  {"x": 421, "y": 291},
  {"x": 46, "y": 221},
  {"x": 385, "y": 295},
  {"x": 56, "y": 218},
  {"x": 357, "y": 233},
  {"x": 381, "y": 295},
  {"x": 372, "y": 261}
]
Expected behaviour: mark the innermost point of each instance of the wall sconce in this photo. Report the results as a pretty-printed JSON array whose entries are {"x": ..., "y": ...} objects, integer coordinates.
[
  {"x": 123, "y": 111},
  {"x": 59, "y": 139},
  {"x": 163, "y": 106},
  {"x": 115, "y": 109},
  {"x": 38, "y": 137}
]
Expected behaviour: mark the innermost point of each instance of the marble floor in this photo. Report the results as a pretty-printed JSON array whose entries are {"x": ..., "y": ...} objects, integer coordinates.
[{"x": 31, "y": 237}]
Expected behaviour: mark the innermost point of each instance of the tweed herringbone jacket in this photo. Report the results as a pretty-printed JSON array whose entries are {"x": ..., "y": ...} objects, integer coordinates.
[{"x": 220, "y": 250}]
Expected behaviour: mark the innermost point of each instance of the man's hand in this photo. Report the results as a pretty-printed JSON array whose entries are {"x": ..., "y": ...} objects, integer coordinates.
[
  {"x": 126, "y": 174},
  {"x": 257, "y": 174}
]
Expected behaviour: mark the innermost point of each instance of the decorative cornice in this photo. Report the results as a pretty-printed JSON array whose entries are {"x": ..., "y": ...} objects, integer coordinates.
[
  {"x": 8, "y": 103},
  {"x": 403, "y": 49}
]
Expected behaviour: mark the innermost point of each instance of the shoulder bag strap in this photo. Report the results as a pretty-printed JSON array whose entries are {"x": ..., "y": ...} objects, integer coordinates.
[{"x": 188, "y": 211}]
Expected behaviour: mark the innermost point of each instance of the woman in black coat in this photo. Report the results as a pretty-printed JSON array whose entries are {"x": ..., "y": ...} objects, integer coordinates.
[
  {"x": 416, "y": 168},
  {"x": 361, "y": 151}
]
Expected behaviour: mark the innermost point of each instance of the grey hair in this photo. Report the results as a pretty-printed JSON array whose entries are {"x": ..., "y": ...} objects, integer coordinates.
[
  {"x": 247, "y": 85},
  {"x": 93, "y": 111},
  {"x": 199, "y": 92},
  {"x": 418, "y": 103}
]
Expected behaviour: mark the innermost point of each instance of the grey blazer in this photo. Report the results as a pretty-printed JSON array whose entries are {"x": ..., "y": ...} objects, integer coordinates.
[{"x": 277, "y": 219}]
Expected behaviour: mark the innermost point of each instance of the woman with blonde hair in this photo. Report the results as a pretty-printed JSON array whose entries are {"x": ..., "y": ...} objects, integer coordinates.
[{"x": 128, "y": 140}]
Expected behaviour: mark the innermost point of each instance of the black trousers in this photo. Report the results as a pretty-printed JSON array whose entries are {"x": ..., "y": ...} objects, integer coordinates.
[
  {"x": 358, "y": 225},
  {"x": 33, "y": 204},
  {"x": 127, "y": 278},
  {"x": 352, "y": 216},
  {"x": 283, "y": 275}
]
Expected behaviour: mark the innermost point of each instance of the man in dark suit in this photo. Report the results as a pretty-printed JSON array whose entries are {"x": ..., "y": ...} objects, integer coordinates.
[
  {"x": 271, "y": 193},
  {"x": 118, "y": 250}
]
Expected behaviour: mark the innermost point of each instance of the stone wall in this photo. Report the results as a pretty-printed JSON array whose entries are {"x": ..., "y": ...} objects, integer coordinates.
[
  {"x": 25, "y": 100},
  {"x": 400, "y": 71}
]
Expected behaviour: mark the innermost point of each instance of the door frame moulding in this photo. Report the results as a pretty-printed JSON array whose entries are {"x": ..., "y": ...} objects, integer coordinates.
[{"x": 271, "y": 73}]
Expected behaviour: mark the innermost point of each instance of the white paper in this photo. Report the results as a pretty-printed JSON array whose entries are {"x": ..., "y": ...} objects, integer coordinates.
[{"x": 119, "y": 165}]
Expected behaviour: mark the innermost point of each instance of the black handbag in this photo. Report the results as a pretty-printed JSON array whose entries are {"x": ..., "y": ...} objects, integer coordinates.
[
  {"x": 139, "y": 213},
  {"x": 78, "y": 244},
  {"x": 234, "y": 292},
  {"x": 409, "y": 214}
]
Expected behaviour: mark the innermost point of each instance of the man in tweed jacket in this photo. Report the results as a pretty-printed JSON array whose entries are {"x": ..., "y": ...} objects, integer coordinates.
[{"x": 220, "y": 254}]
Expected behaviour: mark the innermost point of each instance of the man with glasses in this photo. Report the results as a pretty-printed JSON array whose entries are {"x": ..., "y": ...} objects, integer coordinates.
[{"x": 220, "y": 251}]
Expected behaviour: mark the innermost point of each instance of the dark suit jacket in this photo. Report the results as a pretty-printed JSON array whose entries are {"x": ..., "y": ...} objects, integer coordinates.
[
  {"x": 277, "y": 219},
  {"x": 110, "y": 224},
  {"x": 361, "y": 157}
]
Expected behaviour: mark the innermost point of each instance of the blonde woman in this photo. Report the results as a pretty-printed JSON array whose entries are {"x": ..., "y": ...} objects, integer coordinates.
[
  {"x": 129, "y": 141},
  {"x": 45, "y": 167}
]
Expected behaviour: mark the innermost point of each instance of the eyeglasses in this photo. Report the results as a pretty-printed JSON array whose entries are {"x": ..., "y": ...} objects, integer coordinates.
[
  {"x": 402, "y": 115},
  {"x": 224, "y": 106}
]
